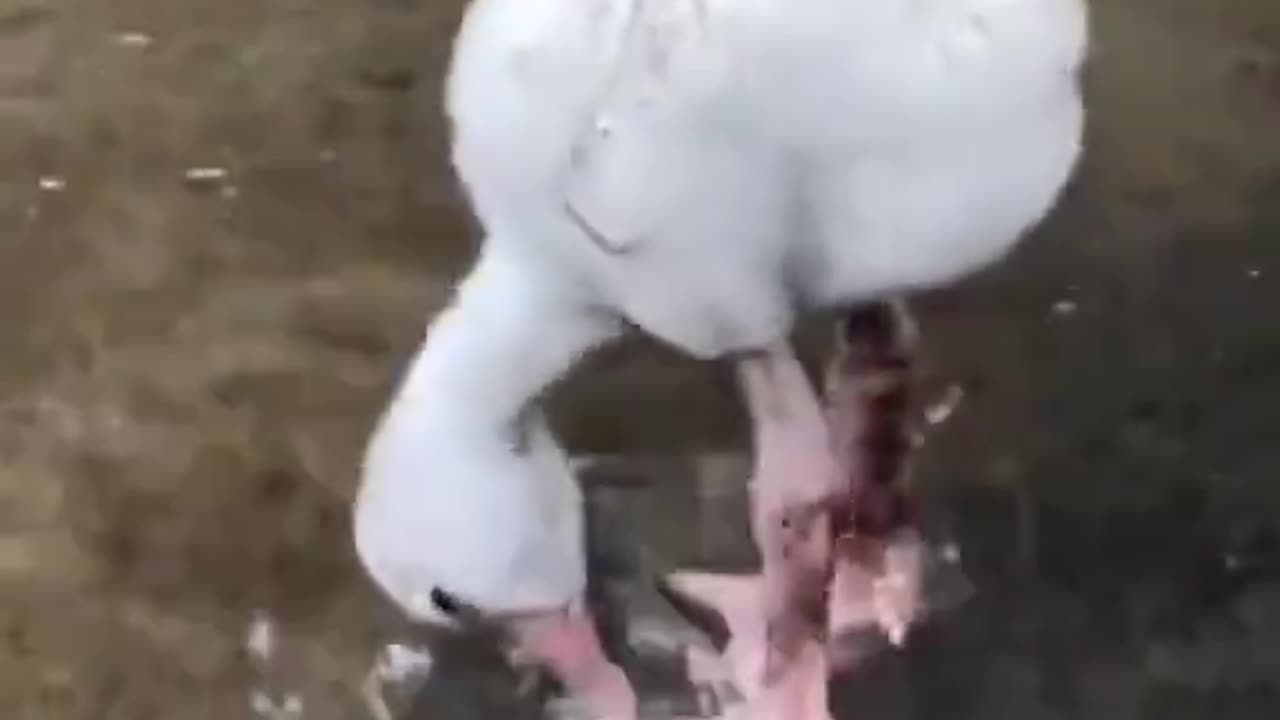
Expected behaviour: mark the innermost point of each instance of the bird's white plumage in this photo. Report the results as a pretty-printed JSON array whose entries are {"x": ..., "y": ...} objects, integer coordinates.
[
  {"x": 706, "y": 169},
  {"x": 464, "y": 488}
]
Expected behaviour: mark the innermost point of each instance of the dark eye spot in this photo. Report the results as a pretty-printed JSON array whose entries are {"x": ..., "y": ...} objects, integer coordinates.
[{"x": 445, "y": 602}]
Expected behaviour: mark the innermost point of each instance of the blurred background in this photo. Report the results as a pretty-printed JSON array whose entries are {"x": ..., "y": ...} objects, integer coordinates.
[{"x": 224, "y": 225}]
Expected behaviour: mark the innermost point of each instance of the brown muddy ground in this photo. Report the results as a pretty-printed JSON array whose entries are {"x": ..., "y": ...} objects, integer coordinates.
[{"x": 190, "y": 367}]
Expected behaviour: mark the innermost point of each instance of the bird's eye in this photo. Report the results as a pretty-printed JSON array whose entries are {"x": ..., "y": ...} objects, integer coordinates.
[{"x": 445, "y": 602}]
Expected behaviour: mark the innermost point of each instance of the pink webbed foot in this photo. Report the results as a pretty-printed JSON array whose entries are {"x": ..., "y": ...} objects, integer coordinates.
[
  {"x": 735, "y": 669},
  {"x": 565, "y": 642},
  {"x": 735, "y": 677},
  {"x": 730, "y": 609}
]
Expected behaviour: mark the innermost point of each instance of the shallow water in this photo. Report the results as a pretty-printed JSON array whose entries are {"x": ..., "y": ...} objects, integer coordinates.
[{"x": 228, "y": 221}]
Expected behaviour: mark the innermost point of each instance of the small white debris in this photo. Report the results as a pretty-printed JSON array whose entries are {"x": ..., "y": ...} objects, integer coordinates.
[
  {"x": 328, "y": 156},
  {"x": 206, "y": 174},
  {"x": 398, "y": 663},
  {"x": 395, "y": 665},
  {"x": 261, "y": 704},
  {"x": 134, "y": 39},
  {"x": 230, "y": 192},
  {"x": 950, "y": 553},
  {"x": 942, "y": 410},
  {"x": 1065, "y": 308},
  {"x": 1254, "y": 273},
  {"x": 261, "y": 638},
  {"x": 52, "y": 183},
  {"x": 1232, "y": 562}
]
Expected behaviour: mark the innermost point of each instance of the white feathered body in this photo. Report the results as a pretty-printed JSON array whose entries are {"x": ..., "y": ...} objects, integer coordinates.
[
  {"x": 756, "y": 153},
  {"x": 706, "y": 169}
]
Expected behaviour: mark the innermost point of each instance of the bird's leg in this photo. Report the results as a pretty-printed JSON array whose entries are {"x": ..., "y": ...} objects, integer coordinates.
[
  {"x": 775, "y": 655},
  {"x": 566, "y": 643},
  {"x": 795, "y": 479},
  {"x": 834, "y": 519},
  {"x": 879, "y": 553}
]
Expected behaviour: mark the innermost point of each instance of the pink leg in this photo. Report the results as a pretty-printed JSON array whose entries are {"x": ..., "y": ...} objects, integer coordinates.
[
  {"x": 776, "y": 655},
  {"x": 565, "y": 642},
  {"x": 839, "y": 554},
  {"x": 879, "y": 555},
  {"x": 796, "y": 477}
]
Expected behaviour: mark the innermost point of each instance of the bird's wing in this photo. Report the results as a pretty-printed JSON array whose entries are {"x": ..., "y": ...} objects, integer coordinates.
[
  {"x": 665, "y": 69},
  {"x": 589, "y": 100}
]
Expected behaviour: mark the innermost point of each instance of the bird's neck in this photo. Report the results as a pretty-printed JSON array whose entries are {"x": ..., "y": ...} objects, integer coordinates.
[{"x": 509, "y": 333}]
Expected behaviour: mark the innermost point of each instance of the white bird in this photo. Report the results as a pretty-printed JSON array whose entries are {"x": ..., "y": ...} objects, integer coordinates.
[{"x": 707, "y": 171}]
